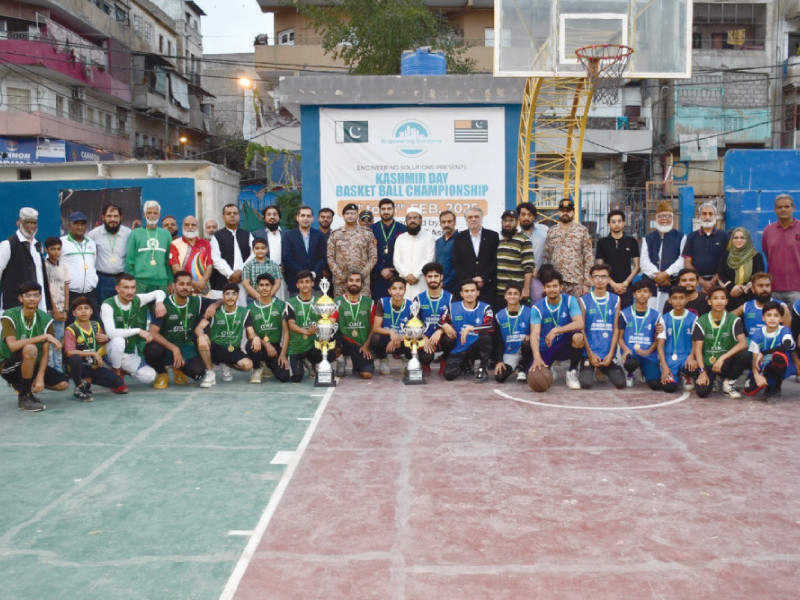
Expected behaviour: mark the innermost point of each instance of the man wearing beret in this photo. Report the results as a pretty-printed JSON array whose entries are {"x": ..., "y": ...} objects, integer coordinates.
[{"x": 351, "y": 248}]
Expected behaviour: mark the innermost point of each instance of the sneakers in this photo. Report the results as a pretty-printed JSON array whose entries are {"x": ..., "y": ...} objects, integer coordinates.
[
  {"x": 83, "y": 392},
  {"x": 772, "y": 394},
  {"x": 161, "y": 382},
  {"x": 179, "y": 377},
  {"x": 522, "y": 376},
  {"x": 481, "y": 376},
  {"x": 341, "y": 366},
  {"x": 688, "y": 384},
  {"x": 256, "y": 376},
  {"x": 728, "y": 389},
  {"x": 312, "y": 372},
  {"x": 209, "y": 379},
  {"x": 266, "y": 373},
  {"x": 384, "y": 367},
  {"x": 572, "y": 380},
  {"x": 30, "y": 403},
  {"x": 630, "y": 380},
  {"x": 226, "y": 372},
  {"x": 123, "y": 389}
]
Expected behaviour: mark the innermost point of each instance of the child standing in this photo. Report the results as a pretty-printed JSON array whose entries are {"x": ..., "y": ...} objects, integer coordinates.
[
  {"x": 257, "y": 264},
  {"x": 58, "y": 282}
]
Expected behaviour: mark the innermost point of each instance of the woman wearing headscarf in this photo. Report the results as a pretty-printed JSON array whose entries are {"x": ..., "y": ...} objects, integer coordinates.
[{"x": 738, "y": 263}]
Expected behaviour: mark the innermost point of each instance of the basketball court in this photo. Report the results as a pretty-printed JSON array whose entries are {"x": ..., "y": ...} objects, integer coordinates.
[{"x": 380, "y": 490}]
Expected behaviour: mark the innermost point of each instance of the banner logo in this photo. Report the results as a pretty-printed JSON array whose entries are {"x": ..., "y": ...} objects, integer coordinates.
[
  {"x": 352, "y": 132},
  {"x": 411, "y": 139},
  {"x": 470, "y": 131}
]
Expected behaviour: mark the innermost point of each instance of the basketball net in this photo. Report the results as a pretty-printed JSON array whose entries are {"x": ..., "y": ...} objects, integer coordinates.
[{"x": 605, "y": 65}]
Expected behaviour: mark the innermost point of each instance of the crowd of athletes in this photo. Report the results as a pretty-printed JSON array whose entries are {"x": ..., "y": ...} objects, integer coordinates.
[{"x": 699, "y": 311}]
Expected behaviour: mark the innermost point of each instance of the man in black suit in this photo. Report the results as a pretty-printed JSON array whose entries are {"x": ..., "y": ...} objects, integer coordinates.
[
  {"x": 475, "y": 255},
  {"x": 304, "y": 249}
]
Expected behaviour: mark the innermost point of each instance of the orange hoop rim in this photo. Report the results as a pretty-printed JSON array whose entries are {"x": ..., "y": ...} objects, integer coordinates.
[{"x": 586, "y": 53}]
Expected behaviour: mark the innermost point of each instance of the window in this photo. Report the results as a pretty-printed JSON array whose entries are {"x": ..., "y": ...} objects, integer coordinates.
[
  {"x": 161, "y": 43},
  {"x": 121, "y": 14},
  {"x": 169, "y": 48},
  {"x": 148, "y": 32},
  {"x": 60, "y": 102},
  {"x": 122, "y": 120},
  {"x": 137, "y": 25},
  {"x": 727, "y": 26},
  {"x": 488, "y": 37},
  {"x": 90, "y": 116},
  {"x": 18, "y": 99},
  {"x": 286, "y": 37},
  {"x": 76, "y": 110},
  {"x": 109, "y": 123}
]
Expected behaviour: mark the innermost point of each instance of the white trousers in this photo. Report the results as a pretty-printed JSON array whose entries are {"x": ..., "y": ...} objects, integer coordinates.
[{"x": 129, "y": 363}]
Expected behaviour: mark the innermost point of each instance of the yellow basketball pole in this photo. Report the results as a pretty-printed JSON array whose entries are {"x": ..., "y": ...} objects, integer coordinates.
[{"x": 550, "y": 146}]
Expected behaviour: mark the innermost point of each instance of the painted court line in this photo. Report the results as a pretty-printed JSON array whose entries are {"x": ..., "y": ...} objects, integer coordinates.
[
  {"x": 284, "y": 457},
  {"x": 681, "y": 398},
  {"x": 304, "y": 418},
  {"x": 240, "y": 533},
  {"x": 249, "y": 551}
]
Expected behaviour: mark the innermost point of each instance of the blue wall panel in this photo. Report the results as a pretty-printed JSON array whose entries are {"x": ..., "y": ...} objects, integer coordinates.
[{"x": 176, "y": 196}]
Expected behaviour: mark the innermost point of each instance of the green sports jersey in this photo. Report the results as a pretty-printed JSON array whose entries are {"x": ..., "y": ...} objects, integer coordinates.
[
  {"x": 133, "y": 318},
  {"x": 717, "y": 339},
  {"x": 303, "y": 314},
  {"x": 268, "y": 320},
  {"x": 177, "y": 326},
  {"x": 355, "y": 319},
  {"x": 227, "y": 328},
  {"x": 24, "y": 329}
]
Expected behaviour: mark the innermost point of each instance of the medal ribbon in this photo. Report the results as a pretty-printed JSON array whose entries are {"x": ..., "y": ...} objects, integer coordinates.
[
  {"x": 636, "y": 321},
  {"x": 554, "y": 313},
  {"x": 184, "y": 317},
  {"x": 261, "y": 308},
  {"x": 718, "y": 328},
  {"x": 676, "y": 330},
  {"x": 90, "y": 335},
  {"x": 353, "y": 314},
  {"x": 28, "y": 330},
  {"x": 603, "y": 315},
  {"x": 512, "y": 325},
  {"x": 399, "y": 314},
  {"x": 228, "y": 328}
]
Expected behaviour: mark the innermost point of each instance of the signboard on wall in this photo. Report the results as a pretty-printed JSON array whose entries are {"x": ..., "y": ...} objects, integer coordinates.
[{"x": 436, "y": 159}]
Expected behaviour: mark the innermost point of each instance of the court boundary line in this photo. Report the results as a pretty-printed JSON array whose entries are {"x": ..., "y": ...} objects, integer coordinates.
[
  {"x": 683, "y": 397},
  {"x": 232, "y": 585}
]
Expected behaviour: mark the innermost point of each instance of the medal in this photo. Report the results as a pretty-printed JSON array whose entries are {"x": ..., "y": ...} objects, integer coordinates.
[
  {"x": 637, "y": 347},
  {"x": 112, "y": 260},
  {"x": 605, "y": 334},
  {"x": 354, "y": 332},
  {"x": 305, "y": 336},
  {"x": 674, "y": 357},
  {"x": 85, "y": 267},
  {"x": 386, "y": 250},
  {"x": 152, "y": 262},
  {"x": 230, "y": 348},
  {"x": 712, "y": 360}
]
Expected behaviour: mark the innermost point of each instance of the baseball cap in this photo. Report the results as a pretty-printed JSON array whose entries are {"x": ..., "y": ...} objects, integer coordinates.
[
  {"x": 509, "y": 213},
  {"x": 77, "y": 216}
]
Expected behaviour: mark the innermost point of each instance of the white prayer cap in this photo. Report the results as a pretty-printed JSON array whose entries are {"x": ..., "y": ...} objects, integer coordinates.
[
  {"x": 413, "y": 209},
  {"x": 28, "y": 214}
]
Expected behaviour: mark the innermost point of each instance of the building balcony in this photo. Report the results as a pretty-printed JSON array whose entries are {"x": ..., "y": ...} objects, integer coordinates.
[
  {"x": 793, "y": 71},
  {"x": 146, "y": 99},
  {"x": 39, "y": 56}
]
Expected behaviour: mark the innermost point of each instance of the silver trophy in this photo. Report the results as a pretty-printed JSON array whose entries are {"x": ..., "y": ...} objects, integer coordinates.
[
  {"x": 414, "y": 332},
  {"x": 326, "y": 329}
]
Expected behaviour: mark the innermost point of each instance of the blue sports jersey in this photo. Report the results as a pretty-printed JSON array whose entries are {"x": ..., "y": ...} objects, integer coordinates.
[
  {"x": 514, "y": 328},
  {"x": 639, "y": 330},
  {"x": 761, "y": 342},
  {"x": 431, "y": 311},
  {"x": 550, "y": 317},
  {"x": 395, "y": 319},
  {"x": 480, "y": 317},
  {"x": 796, "y": 307},
  {"x": 599, "y": 321},
  {"x": 751, "y": 316},
  {"x": 678, "y": 334}
]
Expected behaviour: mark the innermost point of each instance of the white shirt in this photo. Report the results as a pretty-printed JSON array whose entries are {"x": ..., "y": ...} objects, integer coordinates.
[
  {"x": 476, "y": 241},
  {"x": 649, "y": 269},
  {"x": 5, "y": 256},
  {"x": 411, "y": 253},
  {"x": 537, "y": 238},
  {"x": 111, "y": 249},
  {"x": 107, "y": 314},
  {"x": 79, "y": 257},
  {"x": 221, "y": 266}
]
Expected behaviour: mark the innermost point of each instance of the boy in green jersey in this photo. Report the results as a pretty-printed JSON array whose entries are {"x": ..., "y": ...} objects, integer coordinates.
[
  {"x": 355, "y": 315},
  {"x": 301, "y": 323},
  {"x": 719, "y": 346},
  {"x": 27, "y": 334},
  {"x": 266, "y": 315},
  {"x": 222, "y": 343},
  {"x": 174, "y": 342},
  {"x": 84, "y": 347}
]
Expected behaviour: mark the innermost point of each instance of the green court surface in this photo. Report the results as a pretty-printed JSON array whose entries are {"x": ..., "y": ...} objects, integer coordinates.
[{"x": 146, "y": 496}]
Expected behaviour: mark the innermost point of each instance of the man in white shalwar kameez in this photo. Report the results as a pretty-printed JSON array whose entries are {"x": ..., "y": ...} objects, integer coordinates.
[{"x": 412, "y": 251}]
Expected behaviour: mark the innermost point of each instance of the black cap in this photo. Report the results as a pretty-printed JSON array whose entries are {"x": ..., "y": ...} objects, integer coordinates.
[
  {"x": 350, "y": 206},
  {"x": 566, "y": 204},
  {"x": 508, "y": 213},
  {"x": 366, "y": 214}
]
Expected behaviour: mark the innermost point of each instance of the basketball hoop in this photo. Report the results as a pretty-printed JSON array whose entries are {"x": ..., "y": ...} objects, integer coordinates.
[{"x": 605, "y": 64}]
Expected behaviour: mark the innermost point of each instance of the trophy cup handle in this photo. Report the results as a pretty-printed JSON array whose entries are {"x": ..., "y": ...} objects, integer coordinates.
[{"x": 334, "y": 329}]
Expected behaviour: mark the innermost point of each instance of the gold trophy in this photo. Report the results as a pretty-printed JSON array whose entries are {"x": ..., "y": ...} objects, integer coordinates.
[
  {"x": 414, "y": 332},
  {"x": 326, "y": 329}
]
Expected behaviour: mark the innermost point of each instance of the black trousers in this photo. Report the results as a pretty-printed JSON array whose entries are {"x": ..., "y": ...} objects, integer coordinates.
[
  {"x": 79, "y": 370},
  {"x": 613, "y": 371},
  {"x": 481, "y": 350},
  {"x": 158, "y": 357},
  {"x": 314, "y": 356},
  {"x": 360, "y": 364},
  {"x": 525, "y": 360},
  {"x": 732, "y": 368},
  {"x": 379, "y": 341},
  {"x": 280, "y": 373}
]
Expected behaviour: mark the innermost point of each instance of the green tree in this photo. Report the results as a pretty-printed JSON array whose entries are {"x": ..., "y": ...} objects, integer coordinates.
[{"x": 369, "y": 36}]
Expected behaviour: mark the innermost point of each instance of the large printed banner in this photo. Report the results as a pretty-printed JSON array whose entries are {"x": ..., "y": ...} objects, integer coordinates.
[{"x": 433, "y": 158}]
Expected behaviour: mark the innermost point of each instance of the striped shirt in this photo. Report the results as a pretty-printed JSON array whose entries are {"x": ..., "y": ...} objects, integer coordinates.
[{"x": 514, "y": 260}]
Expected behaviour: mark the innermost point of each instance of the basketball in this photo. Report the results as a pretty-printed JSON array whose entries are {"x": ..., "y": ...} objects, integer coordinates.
[{"x": 540, "y": 381}]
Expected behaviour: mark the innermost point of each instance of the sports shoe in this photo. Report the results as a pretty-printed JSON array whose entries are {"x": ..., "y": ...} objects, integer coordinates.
[
  {"x": 522, "y": 376},
  {"x": 179, "y": 377},
  {"x": 341, "y": 366},
  {"x": 30, "y": 403},
  {"x": 161, "y": 382},
  {"x": 256, "y": 376},
  {"x": 688, "y": 384},
  {"x": 226, "y": 372},
  {"x": 385, "y": 369},
  {"x": 729, "y": 391},
  {"x": 312, "y": 371},
  {"x": 209, "y": 379},
  {"x": 86, "y": 388},
  {"x": 481, "y": 376},
  {"x": 630, "y": 380},
  {"x": 773, "y": 394},
  {"x": 123, "y": 389},
  {"x": 266, "y": 372},
  {"x": 572, "y": 379},
  {"x": 80, "y": 395}
]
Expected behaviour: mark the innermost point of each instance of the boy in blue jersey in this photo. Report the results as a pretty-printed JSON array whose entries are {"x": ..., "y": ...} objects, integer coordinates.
[
  {"x": 512, "y": 335},
  {"x": 556, "y": 324},
  {"x": 391, "y": 316},
  {"x": 640, "y": 325},
  {"x": 471, "y": 320},
  {"x": 675, "y": 344},
  {"x": 771, "y": 346},
  {"x": 433, "y": 303},
  {"x": 600, "y": 310}
]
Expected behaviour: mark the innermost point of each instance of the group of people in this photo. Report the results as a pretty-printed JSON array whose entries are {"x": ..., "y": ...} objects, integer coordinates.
[{"x": 96, "y": 306}]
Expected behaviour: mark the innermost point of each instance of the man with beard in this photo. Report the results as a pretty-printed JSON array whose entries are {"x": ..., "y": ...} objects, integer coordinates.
[
  {"x": 111, "y": 239},
  {"x": 444, "y": 250},
  {"x": 661, "y": 255},
  {"x": 230, "y": 248},
  {"x": 350, "y": 248},
  {"x": 386, "y": 232},
  {"x": 433, "y": 304},
  {"x": 170, "y": 223},
  {"x": 704, "y": 248},
  {"x": 79, "y": 253},
  {"x": 273, "y": 233},
  {"x": 569, "y": 249},
  {"x": 412, "y": 251},
  {"x": 303, "y": 250},
  {"x": 751, "y": 311},
  {"x": 515, "y": 262},
  {"x": 210, "y": 227},
  {"x": 475, "y": 255},
  {"x": 24, "y": 252},
  {"x": 325, "y": 219},
  {"x": 535, "y": 232},
  {"x": 355, "y": 314},
  {"x": 192, "y": 254},
  {"x": 147, "y": 256},
  {"x": 621, "y": 253}
]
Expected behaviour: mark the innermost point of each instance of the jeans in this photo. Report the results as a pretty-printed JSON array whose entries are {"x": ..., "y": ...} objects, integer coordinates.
[{"x": 56, "y": 356}]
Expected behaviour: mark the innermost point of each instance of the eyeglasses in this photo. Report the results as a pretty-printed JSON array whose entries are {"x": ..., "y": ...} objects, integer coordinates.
[
  {"x": 599, "y": 276},
  {"x": 31, "y": 295}
]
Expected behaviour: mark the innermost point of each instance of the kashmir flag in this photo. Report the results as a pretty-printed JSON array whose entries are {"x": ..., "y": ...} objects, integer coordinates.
[{"x": 471, "y": 131}]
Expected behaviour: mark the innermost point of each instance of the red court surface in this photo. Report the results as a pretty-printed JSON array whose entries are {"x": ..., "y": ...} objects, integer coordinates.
[{"x": 451, "y": 491}]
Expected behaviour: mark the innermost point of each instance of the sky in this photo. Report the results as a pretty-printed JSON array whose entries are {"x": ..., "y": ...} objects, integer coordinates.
[{"x": 232, "y": 25}]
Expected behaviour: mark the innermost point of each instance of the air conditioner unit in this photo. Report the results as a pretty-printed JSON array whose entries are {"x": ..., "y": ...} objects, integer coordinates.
[{"x": 79, "y": 94}]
